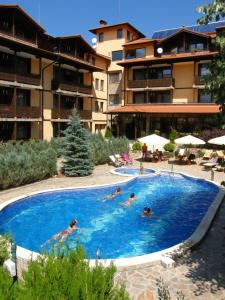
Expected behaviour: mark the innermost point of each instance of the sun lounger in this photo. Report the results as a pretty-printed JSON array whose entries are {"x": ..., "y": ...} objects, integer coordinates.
[
  {"x": 115, "y": 162},
  {"x": 206, "y": 157},
  {"x": 212, "y": 163},
  {"x": 220, "y": 154},
  {"x": 126, "y": 158}
]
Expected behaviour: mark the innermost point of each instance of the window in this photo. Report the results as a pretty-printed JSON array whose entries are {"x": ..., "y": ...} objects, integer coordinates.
[
  {"x": 6, "y": 95},
  {"x": 102, "y": 85},
  {"x": 204, "y": 97},
  {"x": 136, "y": 53},
  {"x": 96, "y": 83},
  {"x": 203, "y": 70},
  {"x": 139, "y": 74},
  {"x": 114, "y": 99},
  {"x": 160, "y": 97},
  {"x": 98, "y": 106},
  {"x": 23, "y": 97},
  {"x": 23, "y": 131},
  {"x": 119, "y": 33},
  {"x": 117, "y": 55},
  {"x": 80, "y": 104},
  {"x": 114, "y": 77},
  {"x": 139, "y": 98},
  {"x": 197, "y": 46},
  {"x": 128, "y": 36},
  {"x": 101, "y": 37},
  {"x": 141, "y": 52},
  {"x": 159, "y": 73}
]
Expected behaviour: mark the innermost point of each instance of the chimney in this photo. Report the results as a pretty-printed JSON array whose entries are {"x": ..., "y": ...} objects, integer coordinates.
[{"x": 102, "y": 23}]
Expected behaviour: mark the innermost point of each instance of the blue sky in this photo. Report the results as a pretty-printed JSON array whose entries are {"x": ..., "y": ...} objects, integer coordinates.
[{"x": 72, "y": 16}]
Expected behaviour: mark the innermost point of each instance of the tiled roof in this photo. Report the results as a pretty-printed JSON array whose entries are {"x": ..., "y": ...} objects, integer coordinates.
[
  {"x": 138, "y": 41},
  {"x": 167, "y": 108}
]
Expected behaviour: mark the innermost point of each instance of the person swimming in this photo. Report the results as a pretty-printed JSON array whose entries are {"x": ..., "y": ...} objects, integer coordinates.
[
  {"x": 128, "y": 202},
  {"x": 147, "y": 213},
  {"x": 114, "y": 194}
]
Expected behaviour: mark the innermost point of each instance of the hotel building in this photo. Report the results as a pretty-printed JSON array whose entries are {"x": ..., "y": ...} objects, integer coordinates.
[
  {"x": 133, "y": 84},
  {"x": 159, "y": 80},
  {"x": 43, "y": 78}
]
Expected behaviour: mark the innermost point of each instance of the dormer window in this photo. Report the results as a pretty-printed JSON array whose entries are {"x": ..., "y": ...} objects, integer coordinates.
[
  {"x": 196, "y": 46},
  {"x": 119, "y": 33},
  {"x": 101, "y": 37}
]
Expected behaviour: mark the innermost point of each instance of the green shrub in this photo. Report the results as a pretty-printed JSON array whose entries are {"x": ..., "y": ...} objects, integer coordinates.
[
  {"x": 22, "y": 163},
  {"x": 4, "y": 244},
  {"x": 108, "y": 133},
  {"x": 67, "y": 276},
  {"x": 170, "y": 147},
  {"x": 137, "y": 146},
  {"x": 6, "y": 285},
  {"x": 173, "y": 134},
  {"x": 102, "y": 148}
]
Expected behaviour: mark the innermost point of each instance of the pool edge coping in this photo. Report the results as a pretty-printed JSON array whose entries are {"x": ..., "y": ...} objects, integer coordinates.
[{"x": 143, "y": 260}]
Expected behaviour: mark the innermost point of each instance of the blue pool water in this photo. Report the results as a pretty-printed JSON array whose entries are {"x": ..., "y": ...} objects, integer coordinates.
[
  {"x": 133, "y": 171},
  {"x": 178, "y": 202}
]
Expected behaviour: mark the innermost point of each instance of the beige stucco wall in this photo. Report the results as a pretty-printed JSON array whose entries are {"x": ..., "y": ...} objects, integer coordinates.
[
  {"x": 48, "y": 130},
  {"x": 35, "y": 98},
  {"x": 183, "y": 74},
  {"x": 35, "y": 66}
]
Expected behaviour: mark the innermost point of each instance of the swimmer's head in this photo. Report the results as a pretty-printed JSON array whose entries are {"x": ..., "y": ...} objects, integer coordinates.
[
  {"x": 118, "y": 189},
  {"x": 148, "y": 210},
  {"x": 132, "y": 195},
  {"x": 73, "y": 223}
]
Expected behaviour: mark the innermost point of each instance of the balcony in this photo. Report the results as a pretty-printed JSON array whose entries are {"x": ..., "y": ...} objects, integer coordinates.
[
  {"x": 151, "y": 83},
  {"x": 9, "y": 74},
  {"x": 33, "y": 79},
  {"x": 71, "y": 87},
  {"x": 7, "y": 111},
  {"x": 64, "y": 114},
  {"x": 26, "y": 112},
  {"x": 199, "y": 80}
]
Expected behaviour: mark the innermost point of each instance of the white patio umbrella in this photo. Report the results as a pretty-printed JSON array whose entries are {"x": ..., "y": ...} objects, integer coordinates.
[
  {"x": 218, "y": 141},
  {"x": 189, "y": 140},
  {"x": 154, "y": 141}
]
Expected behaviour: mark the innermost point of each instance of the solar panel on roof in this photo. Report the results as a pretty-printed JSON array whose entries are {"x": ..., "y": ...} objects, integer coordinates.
[{"x": 211, "y": 27}]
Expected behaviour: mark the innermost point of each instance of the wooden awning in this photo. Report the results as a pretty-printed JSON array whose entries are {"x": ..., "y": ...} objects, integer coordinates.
[{"x": 166, "y": 108}]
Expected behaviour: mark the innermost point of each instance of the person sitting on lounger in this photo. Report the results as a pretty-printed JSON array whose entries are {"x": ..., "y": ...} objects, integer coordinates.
[
  {"x": 147, "y": 213},
  {"x": 128, "y": 202},
  {"x": 114, "y": 194}
]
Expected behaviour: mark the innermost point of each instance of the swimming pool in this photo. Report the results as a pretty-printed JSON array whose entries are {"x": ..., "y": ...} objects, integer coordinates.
[
  {"x": 131, "y": 171},
  {"x": 178, "y": 203}
]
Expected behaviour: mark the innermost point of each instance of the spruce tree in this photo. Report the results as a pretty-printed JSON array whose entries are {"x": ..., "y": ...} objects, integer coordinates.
[{"x": 76, "y": 149}]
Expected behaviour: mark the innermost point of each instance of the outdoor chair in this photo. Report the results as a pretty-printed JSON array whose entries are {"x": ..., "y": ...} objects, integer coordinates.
[
  {"x": 125, "y": 156},
  {"x": 115, "y": 162},
  {"x": 220, "y": 154},
  {"x": 181, "y": 155},
  {"x": 211, "y": 163},
  {"x": 206, "y": 157},
  {"x": 191, "y": 159}
]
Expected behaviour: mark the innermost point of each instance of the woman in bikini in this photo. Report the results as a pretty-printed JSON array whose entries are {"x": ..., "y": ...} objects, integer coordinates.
[
  {"x": 64, "y": 233},
  {"x": 128, "y": 202}
]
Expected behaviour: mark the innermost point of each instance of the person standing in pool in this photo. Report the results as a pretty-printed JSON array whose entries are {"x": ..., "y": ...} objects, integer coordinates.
[
  {"x": 142, "y": 170},
  {"x": 128, "y": 202}
]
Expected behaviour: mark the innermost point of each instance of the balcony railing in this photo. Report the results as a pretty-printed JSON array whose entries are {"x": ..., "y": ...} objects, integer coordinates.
[
  {"x": 151, "y": 83},
  {"x": 28, "y": 112},
  {"x": 9, "y": 74},
  {"x": 23, "y": 112},
  {"x": 62, "y": 113},
  {"x": 199, "y": 80},
  {"x": 71, "y": 87},
  {"x": 7, "y": 111}
]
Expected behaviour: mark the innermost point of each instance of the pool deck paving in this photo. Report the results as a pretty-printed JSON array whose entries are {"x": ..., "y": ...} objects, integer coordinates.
[{"x": 199, "y": 274}]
